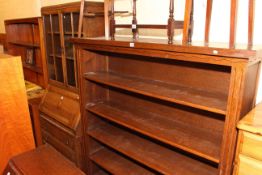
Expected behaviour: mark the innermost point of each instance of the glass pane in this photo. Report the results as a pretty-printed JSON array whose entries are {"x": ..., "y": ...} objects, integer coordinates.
[
  {"x": 57, "y": 46},
  {"x": 67, "y": 24},
  {"x": 59, "y": 69},
  {"x": 70, "y": 72},
  {"x": 49, "y": 48},
  {"x": 55, "y": 23},
  {"x": 75, "y": 22},
  {"x": 68, "y": 33}
]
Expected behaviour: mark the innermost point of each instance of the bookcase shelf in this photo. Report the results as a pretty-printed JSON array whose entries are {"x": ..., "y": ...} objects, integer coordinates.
[
  {"x": 33, "y": 45},
  {"x": 167, "y": 110},
  {"x": 33, "y": 68},
  {"x": 116, "y": 164},
  {"x": 189, "y": 138},
  {"x": 24, "y": 39},
  {"x": 170, "y": 92},
  {"x": 148, "y": 153}
]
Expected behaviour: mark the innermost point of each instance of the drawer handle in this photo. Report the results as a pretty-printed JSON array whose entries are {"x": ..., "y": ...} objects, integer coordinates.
[{"x": 8, "y": 173}]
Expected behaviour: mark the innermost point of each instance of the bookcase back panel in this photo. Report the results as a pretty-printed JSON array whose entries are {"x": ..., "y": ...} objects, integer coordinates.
[
  {"x": 195, "y": 75},
  {"x": 170, "y": 111},
  {"x": 20, "y": 32}
]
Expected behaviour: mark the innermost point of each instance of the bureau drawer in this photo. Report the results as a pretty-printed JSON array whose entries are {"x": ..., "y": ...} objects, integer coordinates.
[
  {"x": 251, "y": 145},
  {"x": 59, "y": 132},
  {"x": 66, "y": 151},
  {"x": 249, "y": 166}
]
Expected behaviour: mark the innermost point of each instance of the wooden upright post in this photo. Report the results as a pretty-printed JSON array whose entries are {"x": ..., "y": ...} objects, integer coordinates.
[
  {"x": 208, "y": 19},
  {"x": 188, "y": 22},
  {"x": 251, "y": 13},
  {"x": 134, "y": 22},
  {"x": 233, "y": 23},
  {"x": 171, "y": 23},
  {"x": 112, "y": 21},
  {"x": 81, "y": 16}
]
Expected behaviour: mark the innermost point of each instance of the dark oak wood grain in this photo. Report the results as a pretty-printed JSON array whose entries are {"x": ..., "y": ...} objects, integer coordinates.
[
  {"x": 184, "y": 98},
  {"x": 192, "y": 139},
  {"x": 43, "y": 160},
  {"x": 117, "y": 164},
  {"x": 149, "y": 153},
  {"x": 24, "y": 36},
  {"x": 169, "y": 92}
]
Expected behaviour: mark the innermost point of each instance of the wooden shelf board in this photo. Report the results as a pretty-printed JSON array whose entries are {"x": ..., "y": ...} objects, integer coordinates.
[
  {"x": 157, "y": 157},
  {"x": 101, "y": 172},
  {"x": 192, "y": 139},
  {"x": 116, "y": 164},
  {"x": 70, "y": 58},
  {"x": 65, "y": 33},
  {"x": 33, "y": 68},
  {"x": 58, "y": 56},
  {"x": 24, "y": 44},
  {"x": 169, "y": 92}
]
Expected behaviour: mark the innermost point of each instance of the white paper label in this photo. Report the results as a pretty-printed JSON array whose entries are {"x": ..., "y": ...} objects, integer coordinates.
[
  {"x": 132, "y": 44},
  {"x": 215, "y": 52},
  {"x": 133, "y": 26}
]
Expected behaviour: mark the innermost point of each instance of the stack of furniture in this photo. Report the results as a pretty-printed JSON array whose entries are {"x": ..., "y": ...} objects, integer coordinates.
[
  {"x": 249, "y": 146},
  {"x": 16, "y": 132},
  {"x": 24, "y": 38},
  {"x": 152, "y": 107},
  {"x": 60, "y": 118}
]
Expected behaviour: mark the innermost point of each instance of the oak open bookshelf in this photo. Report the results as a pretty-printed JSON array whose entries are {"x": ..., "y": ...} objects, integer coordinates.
[
  {"x": 168, "y": 111},
  {"x": 24, "y": 38}
]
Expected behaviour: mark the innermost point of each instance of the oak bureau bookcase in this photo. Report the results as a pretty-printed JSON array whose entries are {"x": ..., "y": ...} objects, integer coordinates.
[{"x": 60, "y": 110}]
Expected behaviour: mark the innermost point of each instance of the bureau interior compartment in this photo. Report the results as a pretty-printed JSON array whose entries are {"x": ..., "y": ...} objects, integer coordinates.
[{"x": 164, "y": 103}]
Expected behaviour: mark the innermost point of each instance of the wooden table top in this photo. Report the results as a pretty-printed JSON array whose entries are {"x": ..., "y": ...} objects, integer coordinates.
[
  {"x": 252, "y": 122},
  {"x": 44, "y": 160}
]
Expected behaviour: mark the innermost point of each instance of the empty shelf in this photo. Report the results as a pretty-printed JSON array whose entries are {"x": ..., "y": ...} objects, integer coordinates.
[
  {"x": 192, "y": 139},
  {"x": 187, "y": 96},
  {"x": 116, "y": 164},
  {"x": 148, "y": 153}
]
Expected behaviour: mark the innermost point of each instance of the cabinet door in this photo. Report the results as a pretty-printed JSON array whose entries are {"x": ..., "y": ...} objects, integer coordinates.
[
  {"x": 70, "y": 28},
  {"x": 53, "y": 47}
]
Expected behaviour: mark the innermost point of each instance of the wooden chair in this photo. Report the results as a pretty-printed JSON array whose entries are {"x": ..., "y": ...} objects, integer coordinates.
[
  {"x": 172, "y": 24},
  {"x": 86, "y": 12},
  {"x": 233, "y": 22}
]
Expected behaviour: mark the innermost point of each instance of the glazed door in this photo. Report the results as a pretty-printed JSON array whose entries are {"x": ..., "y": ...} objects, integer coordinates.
[
  {"x": 70, "y": 29},
  {"x": 53, "y": 48}
]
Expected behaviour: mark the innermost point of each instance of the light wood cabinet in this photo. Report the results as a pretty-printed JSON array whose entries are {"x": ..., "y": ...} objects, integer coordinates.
[
  {"x": 249, "y": 149},
  {"x": 16, "y": 134}
]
